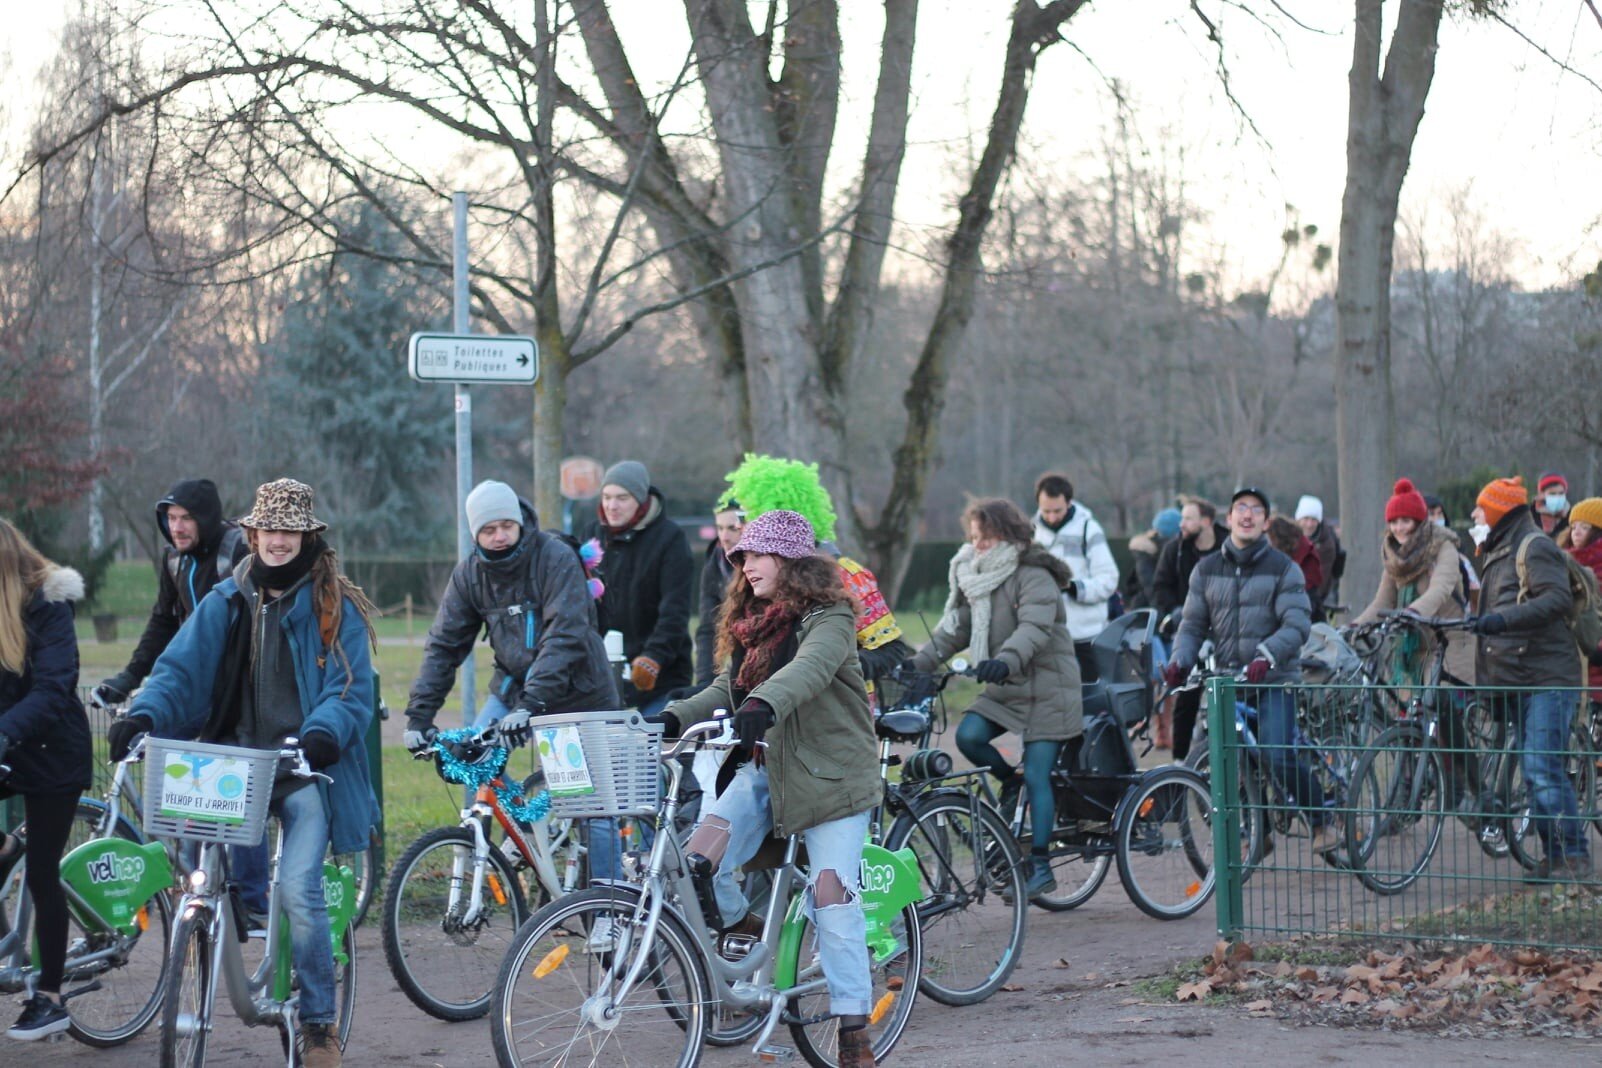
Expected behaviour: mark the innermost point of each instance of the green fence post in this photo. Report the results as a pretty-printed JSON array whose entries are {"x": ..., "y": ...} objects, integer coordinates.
[
  {"x": 1224, "y": 754},
  {"x": 375, "y": 763}
]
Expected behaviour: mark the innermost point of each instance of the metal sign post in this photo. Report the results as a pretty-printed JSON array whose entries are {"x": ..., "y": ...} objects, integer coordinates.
[{"x": 464, "y": 432}]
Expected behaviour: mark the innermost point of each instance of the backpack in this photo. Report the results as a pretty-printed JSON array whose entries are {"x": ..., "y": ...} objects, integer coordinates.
[{"x": 1585, "y": 614}]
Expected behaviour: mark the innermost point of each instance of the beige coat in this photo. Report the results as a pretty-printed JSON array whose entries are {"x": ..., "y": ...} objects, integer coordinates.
[
  {"x": 1040, "y": 697},
  {"x": 1441, "y": 598}
]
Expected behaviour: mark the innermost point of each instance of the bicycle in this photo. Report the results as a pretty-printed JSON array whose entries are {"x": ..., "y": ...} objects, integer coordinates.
[
  {"x": 227, "y": 803},
  {"x": 120, "y": 915},
  {"x": 454, "y": 898},
  {"x": 645, "y": 997}
]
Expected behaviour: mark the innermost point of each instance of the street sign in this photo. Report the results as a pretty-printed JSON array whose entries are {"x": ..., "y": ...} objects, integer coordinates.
[{"x": 504, "y": 359}]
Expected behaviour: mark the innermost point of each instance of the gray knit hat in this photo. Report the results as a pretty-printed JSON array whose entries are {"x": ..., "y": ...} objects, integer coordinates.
[
  {"x": 629, "y": 475},
  {"x": 489, "y": 501}
]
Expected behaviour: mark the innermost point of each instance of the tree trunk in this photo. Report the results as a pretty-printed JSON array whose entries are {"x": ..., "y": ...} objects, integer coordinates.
[
  {"x": 550, "y": 398},
  {"x": 1385, "y": 111}
]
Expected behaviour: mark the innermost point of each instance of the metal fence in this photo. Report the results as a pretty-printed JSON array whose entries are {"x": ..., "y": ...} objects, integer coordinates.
[{"x": 1399, "y": 814}]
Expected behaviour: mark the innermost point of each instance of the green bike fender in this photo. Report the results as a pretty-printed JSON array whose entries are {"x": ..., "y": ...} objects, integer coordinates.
[
  {"x": 115, "y": 877},
  {"x": 339, "y": 894},
  {"x": 889, "y": 883}
]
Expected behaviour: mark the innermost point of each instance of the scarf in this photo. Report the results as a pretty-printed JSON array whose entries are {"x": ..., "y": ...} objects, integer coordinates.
[
  {"x": 1408, "y": 562},
  {"x": 762, "y": 635},
  {"x": 282, "y": 576},
  {"x": 637, "y": 519},
  {"x": 973, "y": 576}
]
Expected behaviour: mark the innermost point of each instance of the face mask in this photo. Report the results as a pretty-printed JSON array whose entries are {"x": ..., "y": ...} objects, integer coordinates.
[
  {"x": 1556, "y": 502},
  {"x": 1439, "y": 522},
  {"x": 1479, "y": 532}
]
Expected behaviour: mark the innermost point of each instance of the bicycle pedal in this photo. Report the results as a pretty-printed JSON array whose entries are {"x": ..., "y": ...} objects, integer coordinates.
[{"x": 772, "y": 1054}]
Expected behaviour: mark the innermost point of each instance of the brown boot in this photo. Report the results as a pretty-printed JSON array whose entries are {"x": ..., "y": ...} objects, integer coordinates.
[
  {"x": 856, "y": 1048},
  {"x": 322, "y": 1047}
]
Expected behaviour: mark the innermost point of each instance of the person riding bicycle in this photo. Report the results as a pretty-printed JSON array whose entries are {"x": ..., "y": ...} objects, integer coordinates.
[
  {"x": 526, "y": 587},
  {"x": 1005, "y": 606},
  {"x": 1249, "y": 598},
  {"x": 787, "y": 634},
  {"x": 1421, "y": 575},
  {"x": 281, "y": 649},
  {"x": 44, "y": 741}
]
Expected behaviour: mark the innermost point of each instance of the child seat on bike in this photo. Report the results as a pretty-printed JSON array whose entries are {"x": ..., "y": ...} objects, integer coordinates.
[{"x": 1123, "y": 653}]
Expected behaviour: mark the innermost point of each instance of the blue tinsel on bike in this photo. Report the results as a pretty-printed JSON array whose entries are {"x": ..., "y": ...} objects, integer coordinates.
[{"x": 481, "y": 772}]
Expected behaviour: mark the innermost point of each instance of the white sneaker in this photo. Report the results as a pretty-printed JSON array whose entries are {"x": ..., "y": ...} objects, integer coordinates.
[{"x": 603, "y": 934}]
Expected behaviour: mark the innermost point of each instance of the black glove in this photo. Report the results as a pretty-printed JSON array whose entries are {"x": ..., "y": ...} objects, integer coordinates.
[
  {"x": 115, "y": 690},
  {"x": 988, "y": 671},
  {"x": 671, "y": 728},
  {"x": 752, "y": 721},
  {"x": 1490, "y": 624},
  {"x": 1072, "y": 589},
  {"x": 121, "y": 734},
  {"x": 514, "y": 727},
  {"x": 5, "y": 743},
  {"x": 320, "y": 748},
  {"x": 906, "y": 669}
]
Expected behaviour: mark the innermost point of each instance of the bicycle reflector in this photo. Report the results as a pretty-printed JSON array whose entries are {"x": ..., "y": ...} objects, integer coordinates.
[
  {"x": 881, "y": 1007},
  {"x": 550, "y": 962}
]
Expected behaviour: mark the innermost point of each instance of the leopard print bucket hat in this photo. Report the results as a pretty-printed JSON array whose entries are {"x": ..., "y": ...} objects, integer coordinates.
[{"x": 283, "y": 505}]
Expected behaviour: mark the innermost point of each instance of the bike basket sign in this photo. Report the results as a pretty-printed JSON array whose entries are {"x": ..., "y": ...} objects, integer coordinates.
[
  {"x": 562, "y": 757},
  {"x": 201, "y": 787}
]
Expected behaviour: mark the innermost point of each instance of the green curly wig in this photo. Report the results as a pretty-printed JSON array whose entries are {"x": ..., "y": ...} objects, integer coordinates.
[{"x": 769, "y": 483}]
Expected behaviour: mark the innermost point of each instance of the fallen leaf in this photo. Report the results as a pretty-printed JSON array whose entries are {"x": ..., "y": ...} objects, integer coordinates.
[
  {"x": 1193, "y": 991},
  {"x": 1306, "y": 974},
  {"x": 1259, "y": 1007},
  {"x": 1354, "y": 997},
  {"x": 1134, "y": 1019},
  {"x": 1062, "y": 962},
  {"x": 1012, "y": 988}
]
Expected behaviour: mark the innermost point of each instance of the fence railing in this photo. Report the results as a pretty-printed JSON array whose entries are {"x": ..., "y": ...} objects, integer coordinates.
[{"x": 1405, "y": 814}]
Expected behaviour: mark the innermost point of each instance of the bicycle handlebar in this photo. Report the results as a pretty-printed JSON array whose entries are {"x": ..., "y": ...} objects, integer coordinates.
[
  {"x": 1402, "y": 615},
  {"x": 695, "y": 735}
]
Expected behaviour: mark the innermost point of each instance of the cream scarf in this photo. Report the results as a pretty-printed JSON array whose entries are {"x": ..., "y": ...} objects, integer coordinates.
[{"x": 975, "y": 575}]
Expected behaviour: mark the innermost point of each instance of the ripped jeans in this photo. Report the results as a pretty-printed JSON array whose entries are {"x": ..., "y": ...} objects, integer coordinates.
[{"x": 833, "y": 846}]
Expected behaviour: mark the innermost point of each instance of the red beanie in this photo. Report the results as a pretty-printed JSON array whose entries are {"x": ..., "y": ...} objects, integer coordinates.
[
  {"x": 1406, "y": 503},
  {"x": 1500, "y": 496}
]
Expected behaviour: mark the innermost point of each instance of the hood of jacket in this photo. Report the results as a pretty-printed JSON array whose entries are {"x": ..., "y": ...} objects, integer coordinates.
[
  {"x": 1509, "y": 529},
  {"x": 1039, "y": 557},
  {"x": 62, "y": 584},
  {"x": 198, "y": 497}
]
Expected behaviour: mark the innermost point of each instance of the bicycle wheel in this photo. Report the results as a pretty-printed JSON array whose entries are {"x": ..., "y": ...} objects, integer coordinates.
[
  {"x": 973, "y": 906},
  {"x": 1249, "y": 807},
  {"x": 365, "y": 869},
  {"x": 444, "y": 963},
  {"x": 1398, "y": 807},
  {"x": 1079, "y": 868},
  {"x": 1520, "y": 828},
  {"x": 554, "y": 1002},
  {"x": 895, "y": 977},
  {"x": 185, "y": 1006},
  {"x": 1164, "y": 844},
  {"x": 131, "y": 969}
]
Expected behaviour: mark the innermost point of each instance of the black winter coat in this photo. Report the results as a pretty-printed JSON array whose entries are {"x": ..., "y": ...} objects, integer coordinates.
[
  {"x": 715, "y": 575},
  {"x": 1537, "y": 649},
  {"x": 183, "y": 579},
  {"x": 1251, "y": 602},
  {"x": 1179, "y": 558},
  {"x": 649, "y": 574},
  {"x": 39, "y": 709},
  {"x": 537, "y": 608}
]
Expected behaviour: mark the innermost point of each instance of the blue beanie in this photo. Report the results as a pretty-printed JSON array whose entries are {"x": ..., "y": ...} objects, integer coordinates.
[{"x": 1166, "y": 522}]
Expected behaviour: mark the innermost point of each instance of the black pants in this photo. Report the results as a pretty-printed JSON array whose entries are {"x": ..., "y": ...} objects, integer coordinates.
[
  {"x": 1187, "y": 703},
  {"x": 1085, "y": 653},
  {"x": 49, "y": 819}
]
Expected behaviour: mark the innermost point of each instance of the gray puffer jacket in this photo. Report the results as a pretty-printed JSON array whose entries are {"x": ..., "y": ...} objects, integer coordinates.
[
  {"x": 1252, "y": 602},
  {"x": 537, "y": 608}
]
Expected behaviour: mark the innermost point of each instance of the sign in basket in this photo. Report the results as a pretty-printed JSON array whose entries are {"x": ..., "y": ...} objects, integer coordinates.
[
  {"x": 205, "y": 787},
  {"x": 562, "y": 756}
]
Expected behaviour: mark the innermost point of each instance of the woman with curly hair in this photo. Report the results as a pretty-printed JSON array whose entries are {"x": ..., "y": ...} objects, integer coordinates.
[{"x": 787, "y": 634}]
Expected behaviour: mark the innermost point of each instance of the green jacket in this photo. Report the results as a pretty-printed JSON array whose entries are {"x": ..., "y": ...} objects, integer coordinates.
[{"x": 822, "y": 760}]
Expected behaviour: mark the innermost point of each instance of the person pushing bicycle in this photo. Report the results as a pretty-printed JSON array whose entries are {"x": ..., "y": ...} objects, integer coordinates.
[
  {"x": 282, "y": 649},
  {"x": 1251, "y": 600}
]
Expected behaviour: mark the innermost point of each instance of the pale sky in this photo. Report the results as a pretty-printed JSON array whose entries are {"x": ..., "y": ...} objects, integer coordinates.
[{"x": 1502, "y": 120}]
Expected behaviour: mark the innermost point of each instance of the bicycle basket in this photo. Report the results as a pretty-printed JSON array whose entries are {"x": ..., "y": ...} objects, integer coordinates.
[
  {"x": 207, "y": 793},
  {"x": 600, "y": 763}
]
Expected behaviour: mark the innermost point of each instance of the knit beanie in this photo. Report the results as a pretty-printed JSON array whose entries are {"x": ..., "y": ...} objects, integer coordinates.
[
  {"x": 1587, "y": 511},
  {"x": 1406, "y": 503},
  {"x": 1166, "y": 522},
  {"x": 1549, "y": 480},
  {"x": 1310, "y": 507},
  {"x": 632, "y": 476},
  {"x": 490, "y": 501},
  {"x": 1500, "y": 496}
]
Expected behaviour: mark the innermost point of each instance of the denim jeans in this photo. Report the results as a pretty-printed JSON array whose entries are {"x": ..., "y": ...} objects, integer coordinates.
[
  {"x": 1543, "y": 720},
  {"x": 833, "y": 846},
  {"x": 1276, "y": 734},
  {"x": 300, "y": 879},
  {"x": 601, "y": 840}
]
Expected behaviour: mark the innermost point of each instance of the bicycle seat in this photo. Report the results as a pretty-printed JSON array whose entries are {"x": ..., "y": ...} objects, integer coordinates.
[{"x": 902, "y": 725}]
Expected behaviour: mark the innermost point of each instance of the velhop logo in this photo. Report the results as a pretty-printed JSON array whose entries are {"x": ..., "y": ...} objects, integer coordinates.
[
  {"x": 877, "y": 878},
  {"x": 111, "y": 868},
  {"x": 333, "y": 892}
]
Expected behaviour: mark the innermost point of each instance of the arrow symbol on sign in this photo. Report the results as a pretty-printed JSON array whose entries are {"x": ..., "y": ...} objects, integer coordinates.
[{"x": 522, "y": 360}]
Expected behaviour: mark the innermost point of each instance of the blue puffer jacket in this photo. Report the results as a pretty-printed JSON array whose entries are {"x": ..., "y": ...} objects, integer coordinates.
[{"x": 177, "y": 695}]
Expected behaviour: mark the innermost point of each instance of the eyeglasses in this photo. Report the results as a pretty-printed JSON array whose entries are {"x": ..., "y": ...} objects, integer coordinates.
[{"x": 1248, "y": 508}]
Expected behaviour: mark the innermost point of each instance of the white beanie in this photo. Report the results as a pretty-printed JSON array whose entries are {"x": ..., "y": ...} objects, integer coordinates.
[
  {"x": 489, "y": 501},
  {"x": 1310, "y": 507}
]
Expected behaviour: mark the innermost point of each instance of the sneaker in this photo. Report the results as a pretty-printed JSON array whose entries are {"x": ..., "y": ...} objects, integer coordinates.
[
  {"x": 41, "y": 1017},
  {"x": 321, "y": 1047},
  {"x": 1562, "y": 870},
  {"x": 856, "y": 1048},
  {"x": 603, "y": 934},
  {"x": 1041, "y": 880},
  {"x": 1327, "y": 838}
]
